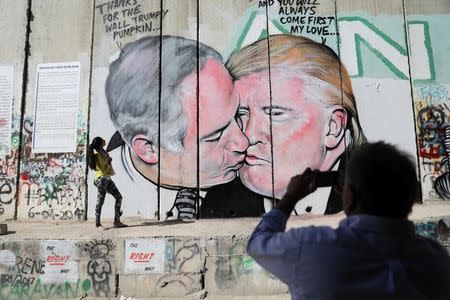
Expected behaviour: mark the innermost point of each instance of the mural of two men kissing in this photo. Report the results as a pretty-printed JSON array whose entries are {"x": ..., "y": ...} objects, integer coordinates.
[{"x": 225, "y": 138}]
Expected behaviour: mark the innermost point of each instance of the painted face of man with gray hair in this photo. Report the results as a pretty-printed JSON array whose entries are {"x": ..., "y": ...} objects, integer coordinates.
[{"x": 146, "y": 111}]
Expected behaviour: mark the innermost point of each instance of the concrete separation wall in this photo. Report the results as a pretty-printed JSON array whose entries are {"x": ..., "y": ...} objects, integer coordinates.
[
  {"x": 130, "y": 264},
  {"x": 396, "y": 54}
]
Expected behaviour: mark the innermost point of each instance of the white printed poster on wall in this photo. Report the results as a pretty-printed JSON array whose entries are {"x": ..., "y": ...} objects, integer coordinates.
[
  {"x": 56, "y": 107},
  {"x": 61, "y": 261},
  {"x": 6, "y": 104},
  {"x": 144, "y": 256}
]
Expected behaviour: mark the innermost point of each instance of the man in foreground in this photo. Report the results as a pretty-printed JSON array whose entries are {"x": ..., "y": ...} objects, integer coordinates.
[{"x": 373, "y": 254}]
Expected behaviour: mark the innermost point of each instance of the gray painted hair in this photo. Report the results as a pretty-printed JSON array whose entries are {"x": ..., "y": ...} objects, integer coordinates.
[{"x": 132, "y": 87}]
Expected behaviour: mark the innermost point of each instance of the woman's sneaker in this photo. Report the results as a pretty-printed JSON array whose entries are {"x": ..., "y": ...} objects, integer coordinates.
[
  {"x": 99, "y": 226},
  {"x": 118, "y": 224}
]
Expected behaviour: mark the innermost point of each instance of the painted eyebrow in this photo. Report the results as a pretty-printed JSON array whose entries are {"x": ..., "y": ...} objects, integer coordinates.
[
  {"x": 209, "y": 135},
  {"x": 277, "y": 107}
]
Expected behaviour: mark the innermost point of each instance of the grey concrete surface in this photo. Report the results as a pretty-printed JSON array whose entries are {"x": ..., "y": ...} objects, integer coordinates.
[
  {"x": 201, "y": 259},
  {"x": 141, "y": 228}
]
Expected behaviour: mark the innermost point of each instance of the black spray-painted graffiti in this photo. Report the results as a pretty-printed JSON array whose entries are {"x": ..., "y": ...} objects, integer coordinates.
[
  {"x": 52, "y": 184},
  {"x": 6, "y": 190},
  {"x": 99, "y": 266},
  {"x": 8, "y": 170},
  {"x": 431, "y": 124},
  {"x": 433, "y": 139},
  {"x": 20, "y": 277},
  {"x": 125, "y": 18},
  {"x": 23, "y": 273},
  {"x": 301, "y": 16},
  {"x": 442, "y": 183}
]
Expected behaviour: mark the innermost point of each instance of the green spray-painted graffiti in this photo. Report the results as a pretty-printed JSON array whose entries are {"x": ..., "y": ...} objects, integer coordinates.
[
  {"x": 356, "y": 35},
  {"x": 40, "y": 290}
]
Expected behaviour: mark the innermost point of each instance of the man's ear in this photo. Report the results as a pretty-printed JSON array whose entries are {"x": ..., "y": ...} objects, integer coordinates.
[
  {"x": 145, "y": 149},
  {"x": 336, "y": 127}
]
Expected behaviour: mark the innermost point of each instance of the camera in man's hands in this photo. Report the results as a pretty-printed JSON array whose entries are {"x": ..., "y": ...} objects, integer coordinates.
[{"x": 327, "y": 178}]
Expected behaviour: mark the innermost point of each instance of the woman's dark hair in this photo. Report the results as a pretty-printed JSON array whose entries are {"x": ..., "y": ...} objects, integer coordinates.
[{"x": 97, "y": 144}]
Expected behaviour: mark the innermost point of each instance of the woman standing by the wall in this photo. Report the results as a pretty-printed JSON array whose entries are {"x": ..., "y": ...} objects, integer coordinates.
[{"x": 101, "y": 163}]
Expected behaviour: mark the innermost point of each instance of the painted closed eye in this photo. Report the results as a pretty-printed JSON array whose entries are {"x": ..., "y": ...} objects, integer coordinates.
[
  {"x": 277, "y": 114},
  {"x": 241, "y": 117},
  {"x": 215, "y": 138},
  {"x": 242, "y": 112}
]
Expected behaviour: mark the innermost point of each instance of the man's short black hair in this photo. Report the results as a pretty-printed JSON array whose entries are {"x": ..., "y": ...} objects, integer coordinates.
[{"x": 383, "y": 180}]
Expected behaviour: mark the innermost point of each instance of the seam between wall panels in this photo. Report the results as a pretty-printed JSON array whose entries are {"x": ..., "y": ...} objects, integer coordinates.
[
  {"x": 270, "y": 102},
  {"x": 86, "y": 200},
  {"x": 405, "y": 22},
  {"x": 198, "y": 111},
  {"x": 158, "y": 190},
  {"x": 340, "y": 72},
  {"x": 27, "y": 53}
]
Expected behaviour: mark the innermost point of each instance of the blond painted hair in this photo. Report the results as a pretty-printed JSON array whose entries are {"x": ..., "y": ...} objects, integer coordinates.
[{"x": 326, "y": 79}]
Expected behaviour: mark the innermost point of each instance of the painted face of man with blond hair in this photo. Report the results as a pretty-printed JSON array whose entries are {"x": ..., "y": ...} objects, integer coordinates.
[{"x": 305, "y": 117}]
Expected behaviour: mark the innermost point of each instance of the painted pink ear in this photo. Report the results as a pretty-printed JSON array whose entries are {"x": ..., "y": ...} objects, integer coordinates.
[
  {"x": 334, "y": 141},
  {"x": 144, "y": 149},
  {"x": 336, "y": 128}
]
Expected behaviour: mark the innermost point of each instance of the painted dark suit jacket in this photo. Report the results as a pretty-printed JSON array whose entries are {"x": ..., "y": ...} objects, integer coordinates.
[{"x": 234, "y": 200}]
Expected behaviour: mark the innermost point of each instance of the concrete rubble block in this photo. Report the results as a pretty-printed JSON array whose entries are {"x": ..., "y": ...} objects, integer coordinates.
[
  {"x": 239, "y": 275},
  {"x": 185, "y": 254},
  {"x": 161, "y": 285},
  {"x": 41, "y": 269},
  {"x": 168, "y": 255},
  {"x": 16, "y": 256}
]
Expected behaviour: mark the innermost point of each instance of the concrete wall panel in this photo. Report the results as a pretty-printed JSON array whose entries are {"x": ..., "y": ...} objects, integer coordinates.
[
  {"x": 52, "y": 185},
  {"x": 117, "y": 24},
  {"x": 231, "y": 272},
  {"x": 398, "y": 81},
  {"x": 430, "y": 80},
  {"x": 57, "y": 269},
  {"x": 13, "y": 21}
]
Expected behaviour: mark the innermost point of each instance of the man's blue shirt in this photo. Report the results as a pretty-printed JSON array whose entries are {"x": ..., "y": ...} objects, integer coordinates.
[{"x": 366, "y": 257}]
